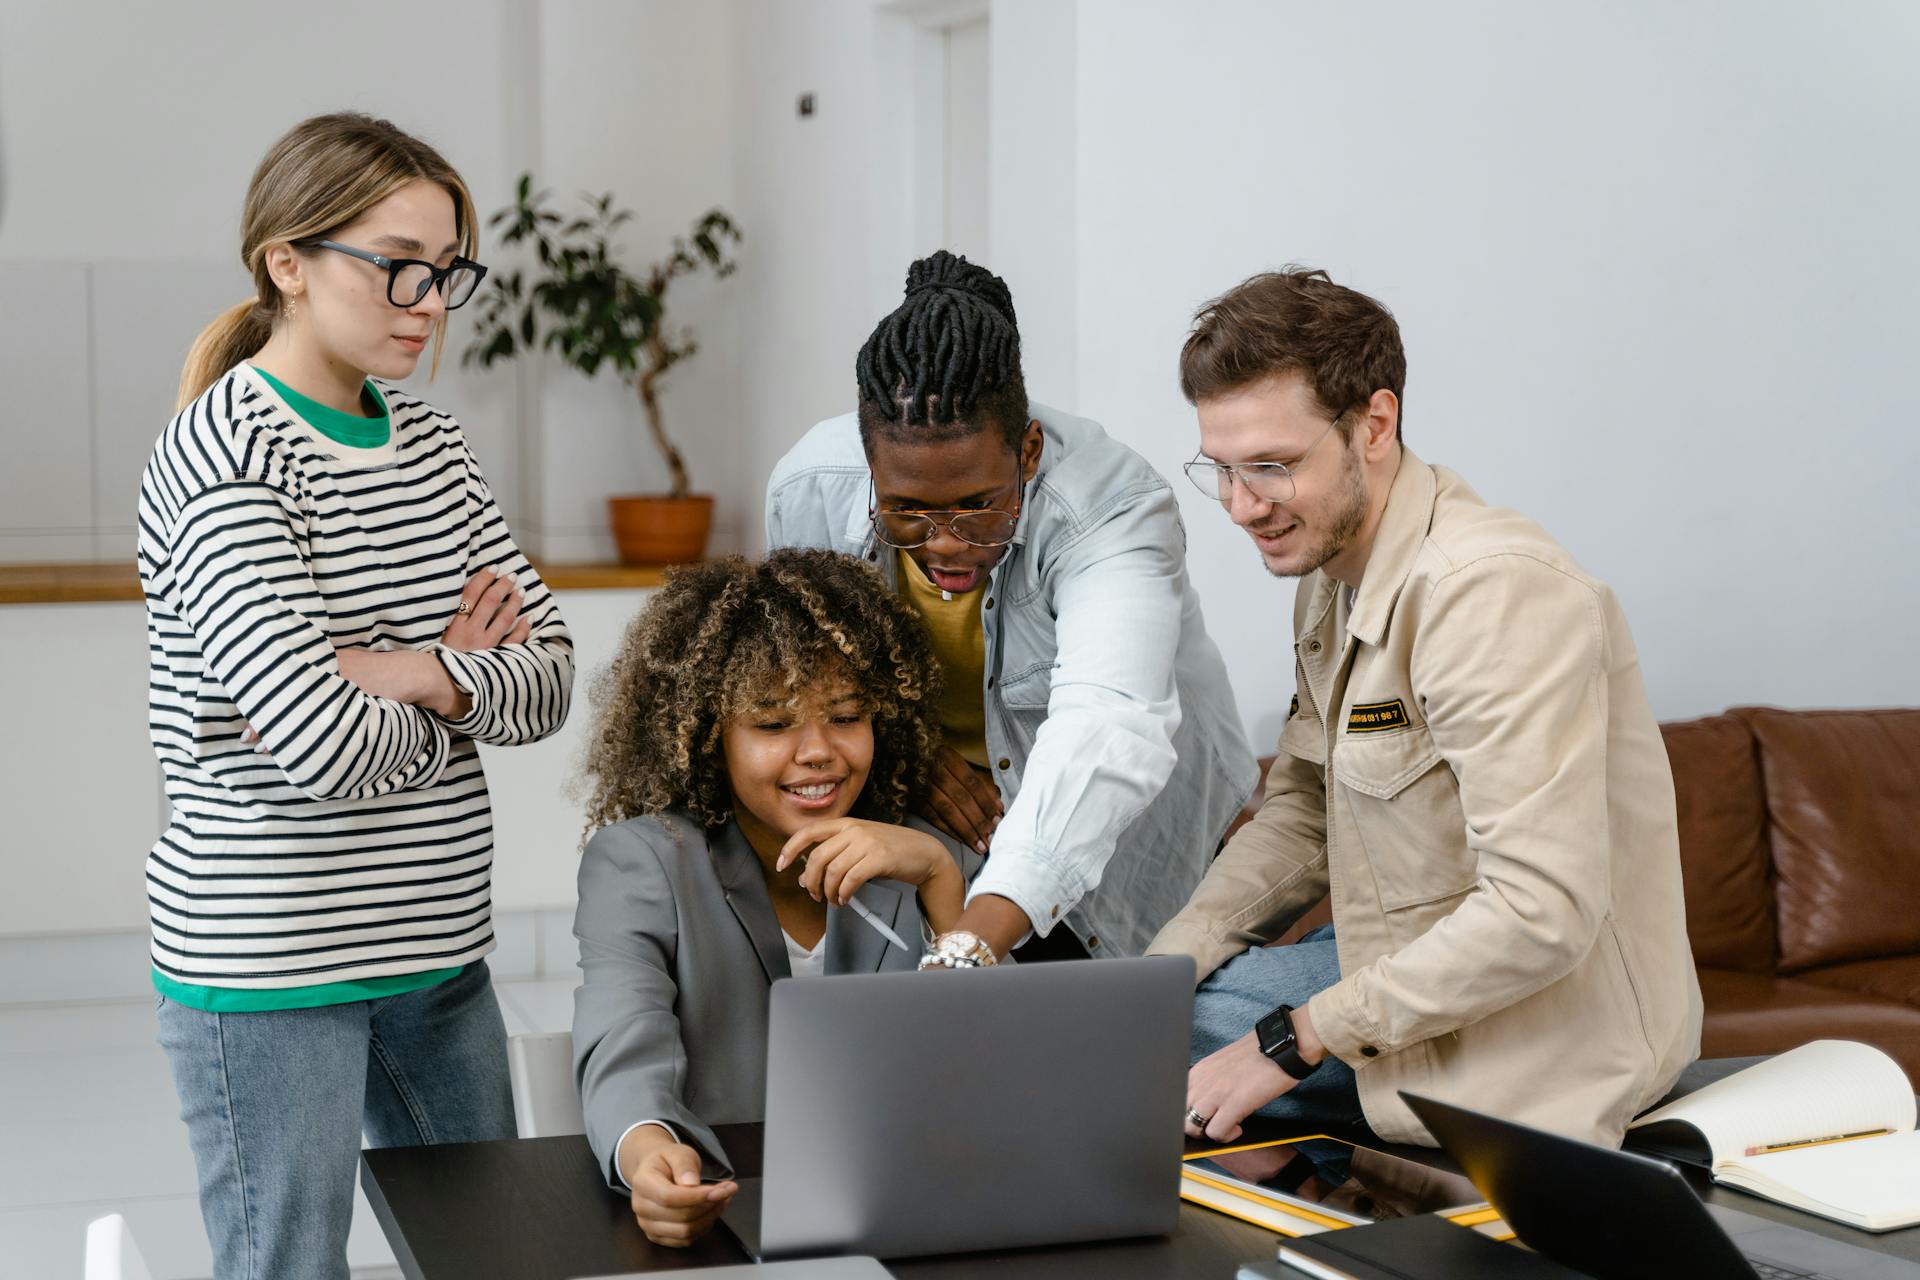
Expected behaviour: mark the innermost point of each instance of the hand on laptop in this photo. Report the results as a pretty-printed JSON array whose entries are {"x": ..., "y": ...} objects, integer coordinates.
[
  {"x": 1231, "y": 1084},
  {"x": 671, "y": 1204}
]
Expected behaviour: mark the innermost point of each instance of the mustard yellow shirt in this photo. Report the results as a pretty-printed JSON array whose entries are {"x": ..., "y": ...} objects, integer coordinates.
[{"x": 959, "y": 640}]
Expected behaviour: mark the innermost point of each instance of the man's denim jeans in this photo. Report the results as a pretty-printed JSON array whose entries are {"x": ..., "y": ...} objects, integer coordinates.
[
  {"x": 1249, "y": 987},
  {"x": 275, "y": 1103}
]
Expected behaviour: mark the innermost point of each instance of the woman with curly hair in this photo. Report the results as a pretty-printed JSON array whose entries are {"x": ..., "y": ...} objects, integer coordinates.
[{"x": 758, "y": 741}]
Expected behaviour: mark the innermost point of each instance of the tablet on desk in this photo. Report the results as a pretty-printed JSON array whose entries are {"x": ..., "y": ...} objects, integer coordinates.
[{"x": 1301, "y": 1186}]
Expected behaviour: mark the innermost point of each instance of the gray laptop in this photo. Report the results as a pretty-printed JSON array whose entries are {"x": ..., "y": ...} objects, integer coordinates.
[
  {"x": 1614, "y": 1214},
  {"x": 918, "y": 1113},
  {"x": 817, "y": 1269}
]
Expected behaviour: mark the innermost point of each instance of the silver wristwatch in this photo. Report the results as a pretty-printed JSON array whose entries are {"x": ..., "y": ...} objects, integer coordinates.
[{"x": 958, "y": 949}]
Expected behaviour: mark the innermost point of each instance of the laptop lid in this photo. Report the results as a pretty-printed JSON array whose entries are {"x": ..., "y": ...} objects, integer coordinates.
[
  {"x": 1617, "y": 1214},
  {"x": 920, "y": 1113},
  {"x": 816, "y": 1269},
  {"x": 1605, "y": 1212}
]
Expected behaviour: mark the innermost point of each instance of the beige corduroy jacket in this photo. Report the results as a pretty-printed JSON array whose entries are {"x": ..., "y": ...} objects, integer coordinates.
[{"x": 1473, "y": 771}]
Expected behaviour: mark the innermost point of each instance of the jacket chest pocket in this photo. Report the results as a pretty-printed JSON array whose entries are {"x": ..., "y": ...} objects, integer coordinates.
[
  {"x": 1023, "y": 696},
  {"x": 1404, "y": 806},
  {"x": 1027, "y": 688}
]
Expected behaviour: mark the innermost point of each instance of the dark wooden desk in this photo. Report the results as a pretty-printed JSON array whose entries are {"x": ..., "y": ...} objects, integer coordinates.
[{"x": 537, "y": 1209}]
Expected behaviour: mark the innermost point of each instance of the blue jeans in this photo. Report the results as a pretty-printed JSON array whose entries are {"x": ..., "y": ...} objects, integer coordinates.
[
  {"x": 1246, "y": 989},
  {"x": 274, "y": 1104}
]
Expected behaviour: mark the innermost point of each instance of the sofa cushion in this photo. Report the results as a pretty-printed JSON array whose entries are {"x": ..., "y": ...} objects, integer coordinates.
[
  {"x": 1842, "y": 791},
  {"x": 1723, "y": 847},
  {"x": 1750, "y": 1013},
  {"x": 1894, "y": 978}
]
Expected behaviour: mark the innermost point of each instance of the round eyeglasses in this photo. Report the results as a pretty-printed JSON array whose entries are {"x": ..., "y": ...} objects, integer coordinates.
[
  {"x": 1267, "y": 481},
  {"x": 979, "y": 526},
  {"x": 909, "y": 529},
  {"x": 408, "y": 279}
]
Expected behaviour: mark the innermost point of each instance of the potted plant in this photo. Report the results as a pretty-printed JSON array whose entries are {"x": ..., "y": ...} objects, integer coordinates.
[{"x": 582, "y": 304}]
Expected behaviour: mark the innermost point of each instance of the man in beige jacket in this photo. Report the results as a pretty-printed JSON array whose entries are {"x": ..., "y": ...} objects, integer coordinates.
[{"x": 1470, "y": 768}]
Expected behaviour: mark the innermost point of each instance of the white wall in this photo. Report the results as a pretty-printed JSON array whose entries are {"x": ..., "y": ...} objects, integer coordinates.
[
  {"x": 78, "y": 781},
  {"x": 120, "y": 207},
  {"x": 1654, "y": 265},
  {"x": 82, "y": 793},
  {"x": 537, "y": 822},
  {"x": 129, "y": 131},
  {"x": 832, "y": 200},
  {"x": 635, "y": 98},
  {"x": 1035, "y": 214},
  {"x": 128, "y": 134}
]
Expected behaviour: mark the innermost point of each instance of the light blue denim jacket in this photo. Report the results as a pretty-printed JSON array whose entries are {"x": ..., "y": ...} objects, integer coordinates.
[{"x": 1110, "y": 720}]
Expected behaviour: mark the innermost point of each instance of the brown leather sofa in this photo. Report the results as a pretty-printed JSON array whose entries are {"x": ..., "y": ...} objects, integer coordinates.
[
  {"x": 1800, "y": 853},
  {"x": 1800, "y": 848}
]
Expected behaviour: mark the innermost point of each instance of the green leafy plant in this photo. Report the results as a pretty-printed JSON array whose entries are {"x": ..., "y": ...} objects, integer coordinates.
[{"x": 583, "y": 305}]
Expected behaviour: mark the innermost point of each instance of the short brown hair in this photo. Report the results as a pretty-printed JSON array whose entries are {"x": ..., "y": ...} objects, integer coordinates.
[{"x": 1296, "y": 320}]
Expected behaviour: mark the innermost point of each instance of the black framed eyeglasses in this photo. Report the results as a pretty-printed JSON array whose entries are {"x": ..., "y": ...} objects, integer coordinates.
[
  {"x": 408, "y": 279},
  {"x": 977, "y": 526}
]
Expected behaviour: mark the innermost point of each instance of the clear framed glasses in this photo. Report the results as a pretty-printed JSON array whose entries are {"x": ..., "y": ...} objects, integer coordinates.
[
  {"x": 408, "y": 279},
  {"x": 979, "y": 526},
  {"x": 1267, "y": 481}
]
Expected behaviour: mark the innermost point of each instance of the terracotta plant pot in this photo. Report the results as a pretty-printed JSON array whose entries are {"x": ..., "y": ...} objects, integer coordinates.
[{"x": 654, "y": 530}]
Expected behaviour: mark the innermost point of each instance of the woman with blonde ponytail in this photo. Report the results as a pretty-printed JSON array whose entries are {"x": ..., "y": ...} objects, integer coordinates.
[{"x": 337, "y": 616}]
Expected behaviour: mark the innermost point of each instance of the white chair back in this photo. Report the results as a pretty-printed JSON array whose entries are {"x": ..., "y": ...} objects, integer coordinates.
[
  {"x": 545, "y": 1103},
  {"x": 111, "y": 1252}
]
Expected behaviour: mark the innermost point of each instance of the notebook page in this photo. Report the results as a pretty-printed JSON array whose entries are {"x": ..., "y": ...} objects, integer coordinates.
[
  {"x": 1819, "y": 1090},
  {"x": 1876, "y": 1180}
]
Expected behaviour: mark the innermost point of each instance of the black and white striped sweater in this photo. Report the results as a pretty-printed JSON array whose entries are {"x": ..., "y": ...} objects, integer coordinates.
[{"x": 361, "y": 844}]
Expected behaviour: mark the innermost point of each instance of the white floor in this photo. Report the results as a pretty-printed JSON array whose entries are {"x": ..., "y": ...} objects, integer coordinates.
[{"x": 91, "y": 1127}]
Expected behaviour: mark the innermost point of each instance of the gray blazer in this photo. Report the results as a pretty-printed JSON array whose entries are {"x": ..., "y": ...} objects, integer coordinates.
[{"x": 679, "y": 947}]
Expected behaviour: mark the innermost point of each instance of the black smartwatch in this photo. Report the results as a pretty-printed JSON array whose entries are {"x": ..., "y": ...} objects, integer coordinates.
[{"x": 1277, "y": 1041}]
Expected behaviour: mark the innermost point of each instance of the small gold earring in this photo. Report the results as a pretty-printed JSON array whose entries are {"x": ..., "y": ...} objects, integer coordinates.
[{"x": 286, "y": 309}]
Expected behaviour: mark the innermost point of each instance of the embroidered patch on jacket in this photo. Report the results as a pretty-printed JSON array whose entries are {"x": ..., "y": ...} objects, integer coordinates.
[{"x": 1378, "y": 717}]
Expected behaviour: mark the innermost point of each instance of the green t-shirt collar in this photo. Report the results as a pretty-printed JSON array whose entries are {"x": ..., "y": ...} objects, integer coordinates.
[{"x": 341, "y": 428}]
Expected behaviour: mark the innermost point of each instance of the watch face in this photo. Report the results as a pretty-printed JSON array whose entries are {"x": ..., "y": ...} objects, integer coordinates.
[{"x": 1275, "y": 1032}]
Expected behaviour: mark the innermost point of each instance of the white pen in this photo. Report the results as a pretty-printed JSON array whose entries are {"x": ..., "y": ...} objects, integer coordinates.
[{"x": 861, "y": 909}]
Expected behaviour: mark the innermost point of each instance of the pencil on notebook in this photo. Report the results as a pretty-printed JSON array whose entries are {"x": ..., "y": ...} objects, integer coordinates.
[{"x": 1815, "y": 1142}]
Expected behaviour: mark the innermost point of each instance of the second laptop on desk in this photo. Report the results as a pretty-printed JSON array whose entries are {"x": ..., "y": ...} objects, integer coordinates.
[
  {"x": 1615, "y": 1215},
  {"x": 911, "y": 1114}
]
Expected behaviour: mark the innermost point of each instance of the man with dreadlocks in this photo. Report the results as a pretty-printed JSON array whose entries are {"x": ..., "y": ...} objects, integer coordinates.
[{"x": 1091, "y": 744}]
